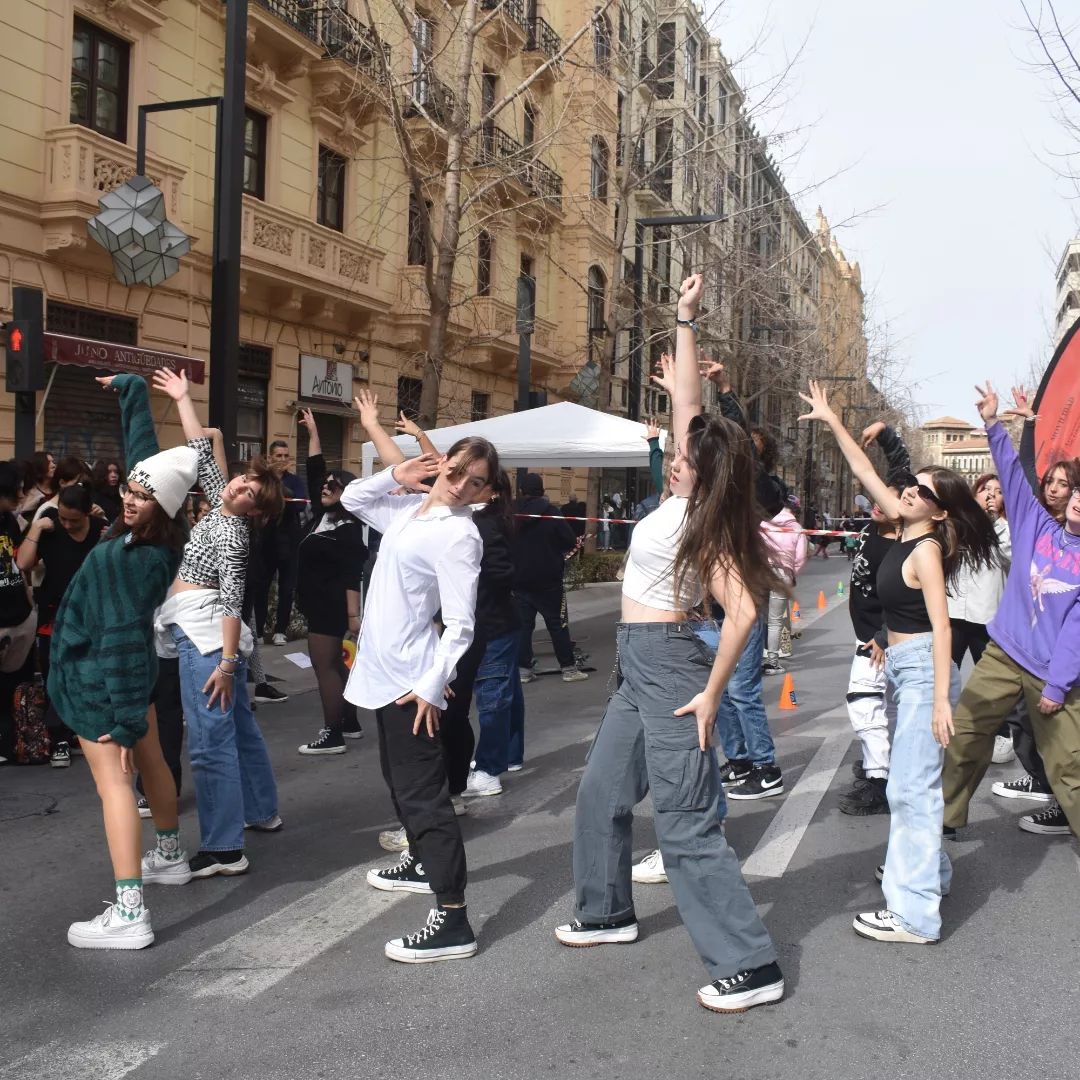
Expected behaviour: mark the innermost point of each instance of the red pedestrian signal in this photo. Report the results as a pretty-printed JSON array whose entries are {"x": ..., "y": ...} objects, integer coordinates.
[{"x": 15, "y": 340}]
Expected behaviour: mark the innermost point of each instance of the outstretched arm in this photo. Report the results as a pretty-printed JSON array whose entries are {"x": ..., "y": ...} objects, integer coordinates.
[
  {"x": 411, "y": 427},
  {"x": 1020, "y": 500},
  {"x": 1022, "y": 407},
  {"x": 686, "y": 392},
  {"x": 367, "y": 404},
  {"x": 861, "y": 466},
  {"x": 140, "y": 439}
]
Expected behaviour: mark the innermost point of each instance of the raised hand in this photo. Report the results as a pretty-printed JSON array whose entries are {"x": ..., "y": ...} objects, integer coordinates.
[
  {"x": 407, "y": 426},
  {"x": 367, "y": 404},
  {"x": 987, "y": 403},
  {"x": 415, "y": 471},
  {"x": 652, "y": 429},
  {"x": 666, "y": 379},
  {"x": 1021, "y": 404},
  {"x": 870, "y": 434},
  {"x": 307, "y": 418},
  {"x": 104, "y": 381},
  {"x": 690, "y": 292},
  {"x": 176, "y": 386},
  {"x": 717, "y": 373},
  {"x": 818, "y": 401}
]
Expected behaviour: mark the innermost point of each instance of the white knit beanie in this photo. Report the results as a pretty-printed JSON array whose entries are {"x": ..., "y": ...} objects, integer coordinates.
[{"x": 168, "y": 476}]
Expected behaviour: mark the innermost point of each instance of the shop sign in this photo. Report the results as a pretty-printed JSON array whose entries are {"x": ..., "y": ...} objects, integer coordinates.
[
  {"x": 325, "y": 380},
  {"x": 84, "y": 352}
]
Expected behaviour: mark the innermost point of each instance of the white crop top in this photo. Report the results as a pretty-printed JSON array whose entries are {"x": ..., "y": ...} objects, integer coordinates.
[{"x": 649, "y": 577}]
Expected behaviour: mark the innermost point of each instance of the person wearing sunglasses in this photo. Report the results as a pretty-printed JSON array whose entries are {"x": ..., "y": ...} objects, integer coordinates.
[
  {"x": 942, "y": 530},
  {"x": 1034, "y": 649},
  {"x": 331, "y": 560}
]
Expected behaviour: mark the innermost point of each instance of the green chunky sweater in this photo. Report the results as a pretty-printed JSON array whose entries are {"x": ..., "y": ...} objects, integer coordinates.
[{"x": 102, "y": 664}]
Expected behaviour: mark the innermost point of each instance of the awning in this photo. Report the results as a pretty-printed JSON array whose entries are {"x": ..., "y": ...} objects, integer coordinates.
[{"x": 108, "y": 356}]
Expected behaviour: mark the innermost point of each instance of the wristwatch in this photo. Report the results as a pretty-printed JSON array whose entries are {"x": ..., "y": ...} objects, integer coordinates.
[{"x": 690, "y": 323}]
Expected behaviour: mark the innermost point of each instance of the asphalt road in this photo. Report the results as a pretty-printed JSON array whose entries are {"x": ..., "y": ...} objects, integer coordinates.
[{"x": 280, "y": 973}]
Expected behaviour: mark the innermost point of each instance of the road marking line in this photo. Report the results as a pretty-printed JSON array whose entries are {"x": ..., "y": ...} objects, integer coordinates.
[
  {"x": 61, "y": 1060},
  {"x": 781, "y": 840},
  {"x": 260, "y": 956}
]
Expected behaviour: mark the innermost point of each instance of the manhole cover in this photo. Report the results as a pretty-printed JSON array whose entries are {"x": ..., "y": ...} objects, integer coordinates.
[{"x": 25, "y": 805}]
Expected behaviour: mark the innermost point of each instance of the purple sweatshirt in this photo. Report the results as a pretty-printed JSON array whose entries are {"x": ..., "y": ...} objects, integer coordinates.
[{"x": 1038, "y": 621}]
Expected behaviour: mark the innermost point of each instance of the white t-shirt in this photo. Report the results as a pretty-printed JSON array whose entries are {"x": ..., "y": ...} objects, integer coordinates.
[{"x": 649, "y": 577}]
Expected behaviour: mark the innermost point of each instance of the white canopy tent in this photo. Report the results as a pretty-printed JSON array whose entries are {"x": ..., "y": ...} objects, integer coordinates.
[{"x": 563, "y": 434}]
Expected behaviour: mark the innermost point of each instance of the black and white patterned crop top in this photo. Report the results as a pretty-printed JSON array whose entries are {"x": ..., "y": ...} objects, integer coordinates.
[{"x": 216, "y": 554}]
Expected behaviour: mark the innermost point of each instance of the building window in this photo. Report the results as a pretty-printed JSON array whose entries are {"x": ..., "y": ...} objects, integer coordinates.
[
  {"x": 526, "y": 265},
  {"x": 99, "y": 80},
  {"x": 664, "y": 153},
  {"x": 88, "y": 323},
  {"x": 602, "y": 43},
  {"x": 665, "y": 60},
  {"x": 596, "y": 318},
  {"x": 331, "y": 189},
  {"x": 254, "y": 154},
  {"x": 531, "y": 124},
  {"x": 485, "y": 248},
  {"x": 254, "y": 364},
  {"x": 423, "y": 51},
  {"x": 408, "y": 396},
  {"x": 417, "y": 254},
  {"x": 690, "y": 53},
  {"x": 481, "y": 406},
  {"x": 598, "y": 176}
]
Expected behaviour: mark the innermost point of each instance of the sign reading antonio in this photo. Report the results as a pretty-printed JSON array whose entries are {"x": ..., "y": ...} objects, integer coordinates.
[{"x": 325, "y": 380}]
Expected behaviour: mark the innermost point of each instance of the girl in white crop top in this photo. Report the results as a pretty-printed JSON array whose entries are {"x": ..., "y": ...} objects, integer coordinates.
[{"x": 656, "y": 730}]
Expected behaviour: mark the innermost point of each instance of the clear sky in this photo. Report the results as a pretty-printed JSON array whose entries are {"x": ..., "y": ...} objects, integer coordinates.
[{"x": 945, "y": 137}]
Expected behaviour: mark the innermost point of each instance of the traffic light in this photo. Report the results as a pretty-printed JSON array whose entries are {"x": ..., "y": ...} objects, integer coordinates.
[{"x": 26, "y": 342}]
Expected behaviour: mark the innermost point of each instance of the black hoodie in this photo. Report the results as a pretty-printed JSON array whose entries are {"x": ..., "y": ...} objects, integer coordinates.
[{"x": 540, "y": 547}]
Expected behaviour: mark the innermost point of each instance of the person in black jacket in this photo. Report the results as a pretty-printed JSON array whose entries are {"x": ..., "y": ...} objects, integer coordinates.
[
  {"x": 540, "y": 548},
  {"x": 330, "y": 563}
]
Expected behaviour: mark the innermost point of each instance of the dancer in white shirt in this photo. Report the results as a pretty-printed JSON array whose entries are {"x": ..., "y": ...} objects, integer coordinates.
[{"x": 429, "y": 559}]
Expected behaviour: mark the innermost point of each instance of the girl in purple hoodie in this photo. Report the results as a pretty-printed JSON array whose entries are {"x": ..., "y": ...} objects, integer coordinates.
[{"x": 1034, "y": 648}]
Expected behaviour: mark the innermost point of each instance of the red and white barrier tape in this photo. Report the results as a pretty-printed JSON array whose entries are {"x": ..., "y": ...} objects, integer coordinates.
[{"x": 633, "y": 521}]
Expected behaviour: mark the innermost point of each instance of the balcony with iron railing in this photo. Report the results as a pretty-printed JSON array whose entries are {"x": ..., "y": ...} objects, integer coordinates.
[
  {"x": 508, "y": 26},
  {"x": 653, "y": 180},
  {"x": 494, "y": 146},
  {"x": 431, "y": 96},
  {"x": 541, "y": 37},
  {"x": 354, "y": 44}
]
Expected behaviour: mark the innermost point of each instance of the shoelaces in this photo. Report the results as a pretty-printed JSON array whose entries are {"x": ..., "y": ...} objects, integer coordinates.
[
  {"x": 734, "y": 981},
  {"x": 435, "y": 920}
]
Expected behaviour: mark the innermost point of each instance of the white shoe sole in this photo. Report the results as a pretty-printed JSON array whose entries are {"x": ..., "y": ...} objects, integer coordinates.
[
  {"x": 1002, "y": 792},
  {"x": 1044, "y": 830},
  {"x": 352, "y": 734},
  {"x": 740, "y": 1003},
  {"x": 384, "y": 885},
  {"x": 898, "y": 936},
  {"x": 63, "y": 763},
  {"x": 740, "y": 795},
  {"x": 270, "y": 700},
  {"x": 428, "y": 956},
  {"x": 648, "y": 877},
  {"x": 241, "y": 866},
  {"x": 586, "y": 939},
  {"x": 472, "y": 794},
  {"x": 308, "y": 752},
  {"x": 181, "y": 875},
  {"x": 117, "y": 941},
  {"x": 514, "y": 768},
  {"x": 145, "y": 812}
]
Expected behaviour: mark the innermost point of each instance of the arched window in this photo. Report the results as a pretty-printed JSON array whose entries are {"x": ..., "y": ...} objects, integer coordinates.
[
  {"x": 602, "y": 43},
  {"x": 597, "y": 325},
  {"x": 598, "y": 177}
]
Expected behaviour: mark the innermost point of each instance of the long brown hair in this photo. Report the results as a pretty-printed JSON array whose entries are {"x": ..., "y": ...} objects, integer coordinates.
[
  {"x": 966, "y": 534},
  {"x": 723, "y": 519},
  {"x": 160, "y": 531},
  {"x": 1071, "y": 466},
  {"x": 270, "y": 501}
]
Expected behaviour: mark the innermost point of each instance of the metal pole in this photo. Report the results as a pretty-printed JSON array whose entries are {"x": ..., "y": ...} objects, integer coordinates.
[
  {"x": 525, "y": 316},
  {"x": 637, "y": 331},
  {"x": 228, "y": 211}
]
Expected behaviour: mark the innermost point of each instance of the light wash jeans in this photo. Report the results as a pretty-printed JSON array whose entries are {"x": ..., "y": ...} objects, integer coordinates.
[
  {"x": 500, "y": 707},
  {"x": 234, "y": 781},
  {"x": 741, "y": 720},
  {"x": 917, "y": 870}
]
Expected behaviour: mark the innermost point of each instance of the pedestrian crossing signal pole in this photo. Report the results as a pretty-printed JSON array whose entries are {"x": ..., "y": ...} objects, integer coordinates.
[
  {"x": 25, "y": 370},
  {"x": 526, "y": 320}
]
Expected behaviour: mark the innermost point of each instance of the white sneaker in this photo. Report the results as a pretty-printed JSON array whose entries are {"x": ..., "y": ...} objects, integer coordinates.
[
  {"x": 515, "y": 768},
  {"x": 157, "y": 870},
  {"x": 482, "y": 783},
  {"x": 885, "y": 926},
  {"x": 573, "y": 674},
  {"x": 280, "y": 639},
  {"x": 527, "y": 675},
  {"x": 1003, "y": 750},
  {"x": 394, "y": 840},
  {"x": 110, "y": 931},
  {"x": 650, "y": 871}
]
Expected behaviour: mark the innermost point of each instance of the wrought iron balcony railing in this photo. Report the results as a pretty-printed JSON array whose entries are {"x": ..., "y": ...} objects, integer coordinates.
[
  {"x": 514, "y": 10},
  {"x": 344, "y": 38},
  {"x": 434, "y": 96},
  {"x": 542, "y": 37}
]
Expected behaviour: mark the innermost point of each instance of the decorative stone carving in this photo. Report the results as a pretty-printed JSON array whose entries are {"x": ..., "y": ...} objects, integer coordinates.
[
  {"x": 129, "y": 16},
  {"x": 316, "y": 254},
  {"x": 272, "y": 235},
  {"x": 354, "y": 267}
]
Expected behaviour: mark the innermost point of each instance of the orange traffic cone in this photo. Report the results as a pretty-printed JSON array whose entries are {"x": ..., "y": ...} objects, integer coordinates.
[
  {"x": 821, "y": 601},
  {"x": 796, "y": 614},
  {"x": 787, "y": 693}
]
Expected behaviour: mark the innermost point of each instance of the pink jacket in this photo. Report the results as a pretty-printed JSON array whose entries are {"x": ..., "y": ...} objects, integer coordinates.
[{"x": 786, "y": 538}]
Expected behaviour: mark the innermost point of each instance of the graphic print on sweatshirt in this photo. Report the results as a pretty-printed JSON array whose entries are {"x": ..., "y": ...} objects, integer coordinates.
[
  {"x": 1042, "y": 584},
  {"x": 862, "y": 575}
]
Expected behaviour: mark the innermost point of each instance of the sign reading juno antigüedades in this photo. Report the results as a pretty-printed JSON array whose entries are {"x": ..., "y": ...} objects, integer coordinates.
[
  {"x": 106, "y": 355},
  {"x": 325, "y": 380}
]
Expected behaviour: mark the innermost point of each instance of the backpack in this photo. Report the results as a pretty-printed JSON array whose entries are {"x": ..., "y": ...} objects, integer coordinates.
[{"x": 31, "y": 735}]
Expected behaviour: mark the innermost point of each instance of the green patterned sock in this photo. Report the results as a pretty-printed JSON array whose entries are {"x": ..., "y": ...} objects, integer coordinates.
[
  {"x": 129, "y": 905},
  {"x": 168, "y": 844}
]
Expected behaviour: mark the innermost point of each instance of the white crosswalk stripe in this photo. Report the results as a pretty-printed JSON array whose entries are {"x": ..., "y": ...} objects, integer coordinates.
[{"x": 64, "y": 1060}]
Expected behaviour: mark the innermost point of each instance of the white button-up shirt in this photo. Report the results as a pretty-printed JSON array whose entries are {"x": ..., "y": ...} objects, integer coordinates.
[{"x": 424, "y": 563}]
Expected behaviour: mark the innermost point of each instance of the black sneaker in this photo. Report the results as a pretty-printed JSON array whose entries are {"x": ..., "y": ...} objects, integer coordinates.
[
  {"x": 772, "y": 667},
  {"x": 1049, "y": 822},
  {"x": 142, "y": 804},
  {"x": 227, "y": 863},
  {"x": 351, "y": 729},
  {"x": 735, "y": 772},
  {"x": 446, "y": 935},
  {"x": 407, "y": 876},
  {"x": 1023, "y": 787},
  {"x": 328, "y": 742},
  {"x": 758, "y": 986},
  {"x": 948, "y": 832},
  {"x": 269, "y": 695},
  {"x": 581, "y": 935},
  {"x": 866, "y": 798},
  {"x": 764, "y": 782},
  {"x": 857, "y": 770}
]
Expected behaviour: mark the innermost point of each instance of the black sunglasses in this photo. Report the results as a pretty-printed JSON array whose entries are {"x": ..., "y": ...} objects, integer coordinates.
[
  {"x": 925, "y": 493},
  {"x": 333, "y": 485}
]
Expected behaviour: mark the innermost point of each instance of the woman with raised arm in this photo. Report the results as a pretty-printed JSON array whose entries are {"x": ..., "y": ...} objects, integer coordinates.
[
  {"x": 702, "y": 541},
  {"x": 1034, "y": 648},
  {"x": 234, "y": 781},
  {"x": 429, "y": 560},
  {"x": 943, "y": 529},
  {"x": 330, "y": 562},
  {"x": 103, "y": 667}
]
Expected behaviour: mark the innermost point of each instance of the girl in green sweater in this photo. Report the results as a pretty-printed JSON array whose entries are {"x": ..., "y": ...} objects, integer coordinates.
[{"x": 103, "y": 667}]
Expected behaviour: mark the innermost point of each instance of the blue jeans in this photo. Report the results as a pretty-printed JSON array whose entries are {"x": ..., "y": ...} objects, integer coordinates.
[
  {"x": 234, "y": 782},
  {"x": 500, "y": 705},
  {"x": 917, "y": 870},
  {"x": 741, "y": 720}
]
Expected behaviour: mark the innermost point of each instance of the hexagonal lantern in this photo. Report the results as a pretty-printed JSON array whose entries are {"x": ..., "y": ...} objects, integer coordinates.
[{"x": 146, "y": 248}]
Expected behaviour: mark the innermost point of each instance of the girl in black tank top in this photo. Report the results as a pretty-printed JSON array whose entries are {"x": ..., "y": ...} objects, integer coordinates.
[{"x": 942, "y": 526}]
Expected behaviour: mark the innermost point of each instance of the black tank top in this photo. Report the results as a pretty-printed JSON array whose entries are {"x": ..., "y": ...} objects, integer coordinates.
[{"x": 905, "y": 607}]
